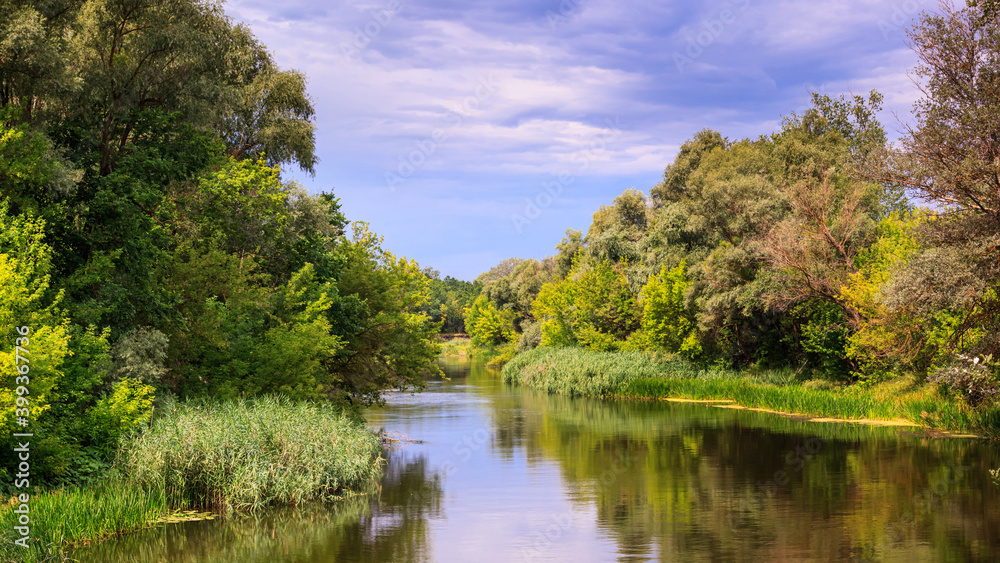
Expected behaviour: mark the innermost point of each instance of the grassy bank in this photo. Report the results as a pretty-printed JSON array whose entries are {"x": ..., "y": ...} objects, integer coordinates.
[
  {"x": 642, "y": 376},
  {"x": 237, "y": 455},
  {"x": 457, "y": 347}
]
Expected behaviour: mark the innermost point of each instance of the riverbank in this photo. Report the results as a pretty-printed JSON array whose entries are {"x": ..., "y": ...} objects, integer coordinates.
[
  {"x": 460, "y": 346},
  {"x": 637, "y": 375},
  {"x": 208, "y": 455}
]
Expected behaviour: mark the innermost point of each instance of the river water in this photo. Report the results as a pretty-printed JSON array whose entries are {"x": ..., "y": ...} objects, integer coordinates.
[{"x": 480, "y": 471}]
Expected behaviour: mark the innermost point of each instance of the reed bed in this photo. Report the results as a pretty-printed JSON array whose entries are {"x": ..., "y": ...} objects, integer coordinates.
[
  {"x": 638, "y": 375},
  {"x": 223, "y": 456},
  {"x": 248, "y": 454}
]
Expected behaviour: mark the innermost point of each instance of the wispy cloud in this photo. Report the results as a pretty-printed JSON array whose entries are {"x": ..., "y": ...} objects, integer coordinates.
[{"x": 556, "y": 83}]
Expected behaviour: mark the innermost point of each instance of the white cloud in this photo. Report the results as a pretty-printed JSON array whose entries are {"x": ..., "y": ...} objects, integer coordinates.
[{"x": 553, "y": 86}]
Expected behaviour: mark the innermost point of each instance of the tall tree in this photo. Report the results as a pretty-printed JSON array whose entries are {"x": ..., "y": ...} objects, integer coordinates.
[{"x": 951, "y": 159}]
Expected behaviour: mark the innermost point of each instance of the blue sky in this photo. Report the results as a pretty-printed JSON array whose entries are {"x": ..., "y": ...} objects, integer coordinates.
[{"x": 467, "y": 132}]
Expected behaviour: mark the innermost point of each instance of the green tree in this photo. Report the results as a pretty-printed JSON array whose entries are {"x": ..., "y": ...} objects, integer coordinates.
[
  {"x": 593, "y": 307},
  {"x": 487, "y": 325},
  {"x": 666, "y": 323},
  {"x": 396, "y": 345}
]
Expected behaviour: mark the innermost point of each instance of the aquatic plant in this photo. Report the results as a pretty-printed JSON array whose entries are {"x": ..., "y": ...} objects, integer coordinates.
[{"x": 245, "y": 454}]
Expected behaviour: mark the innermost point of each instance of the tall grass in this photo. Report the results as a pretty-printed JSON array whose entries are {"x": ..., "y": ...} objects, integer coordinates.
[
  {"x": 574, "y": 371},
  {"x": 78, "y": 515},
  {"x": 239, "y": 455},
  {"x": 249, "y": 454}
]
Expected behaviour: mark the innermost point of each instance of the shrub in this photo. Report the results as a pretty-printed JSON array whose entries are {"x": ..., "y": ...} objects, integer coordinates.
[
  {"x": 665, "y": 322},
  {"x": 970, "y": 378},
  {"x": 487, "y": 325},
  {"x": 141, "y": 355}
]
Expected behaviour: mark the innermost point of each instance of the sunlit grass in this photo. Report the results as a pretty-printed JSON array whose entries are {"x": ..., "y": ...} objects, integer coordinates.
[
  {"x": 457, "y": 347},
  {"x": 78, "y": 515}
]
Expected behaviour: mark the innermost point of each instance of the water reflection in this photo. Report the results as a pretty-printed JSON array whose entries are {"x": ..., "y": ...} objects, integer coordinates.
[
  {"x": 507, "y": 474},
  {"x": 385, "y": 525}
]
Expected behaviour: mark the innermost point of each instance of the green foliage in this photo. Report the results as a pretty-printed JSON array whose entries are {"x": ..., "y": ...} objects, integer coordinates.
[
  {"x": 666, "y": 323},
  {"x": 552, "y": 308},
  {"x": 27, "y": 301},
  {"x": 448, "y": 299},
  {"x": 294, "y": 355},
  {"x": 127, "y": 407},
  {"x": 594, "y": 306},
  {"x": 824, "y": 338},
  {"x": 148, "y": 239},
  {"x": 244, "y": 205},
  {"x": 487, "y": 325},
  {"x": 886, "y": 339},
  {"x": 395, "y": 345}
]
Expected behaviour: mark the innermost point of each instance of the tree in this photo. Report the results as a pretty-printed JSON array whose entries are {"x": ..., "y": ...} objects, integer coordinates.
[
  {"x": 396, "y": 345},
  {"x": 501, "y": 270},
  {"x": 616, "y": 229},
  {"x": 593, "y": 306},
  {"x": 567, "y": 249},
  {"x": 675, "y": 177},
  {"x": 951, "y": 159},
  {"x": 666, "y": 323},
  {"x": 269, "y": 112},
  {"x": 487, "y": 325}
]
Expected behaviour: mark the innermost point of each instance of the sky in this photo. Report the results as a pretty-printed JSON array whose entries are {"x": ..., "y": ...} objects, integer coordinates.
[{"x": 467, "y": 132}]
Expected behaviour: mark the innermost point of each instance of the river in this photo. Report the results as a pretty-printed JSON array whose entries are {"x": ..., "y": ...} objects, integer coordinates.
[{"x": 480, "y": 471}]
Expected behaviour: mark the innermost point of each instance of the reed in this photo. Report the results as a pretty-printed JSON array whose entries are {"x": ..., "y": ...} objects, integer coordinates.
[
  {"x": 248, "y": 454},
  {"x": 638, "y": 375},
  {"x": 240, "y": 455},
  {"x": 77, "y": 516}
]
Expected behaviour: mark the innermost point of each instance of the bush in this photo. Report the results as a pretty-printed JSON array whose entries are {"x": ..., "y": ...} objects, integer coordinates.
[
  {"x": 665, "y": 322},
  {"x": 970, "y": 378},
  {"x": 531, "y": 336},
  {"x": 141, "y": 355}
]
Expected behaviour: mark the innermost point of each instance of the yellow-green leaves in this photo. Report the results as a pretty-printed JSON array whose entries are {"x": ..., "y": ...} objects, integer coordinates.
[
  {"x": 593, "y": 306},
  {"x": 486, "y": 325},
  {"x": 666, "y": 324}
]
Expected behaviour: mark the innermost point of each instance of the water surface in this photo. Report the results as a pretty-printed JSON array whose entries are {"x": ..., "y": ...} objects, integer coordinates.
[{"x": 481, "y": 471}]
